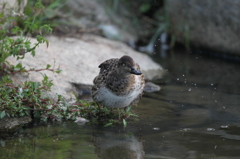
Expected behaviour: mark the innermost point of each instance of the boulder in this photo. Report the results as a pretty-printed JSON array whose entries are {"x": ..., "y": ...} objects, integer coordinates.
[
  {"x": 9, "y": 125},
  {"x": 207, "y": 24},
  {"x": 79, "y": 60}
]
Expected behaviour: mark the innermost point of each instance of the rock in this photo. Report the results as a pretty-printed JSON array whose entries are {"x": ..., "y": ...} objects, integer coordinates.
[
  {"x": 99, "y": 15},
  {"x": 81, "y": 121},
  {"x": 79, "y": 60},
  {"x": 110, "y": 31},
  {"x": 151, "y": 87},
  {"x": 83, "y": 91},
  {"x": 8, "y": 125},
  {"x": 207, "y": 23}
]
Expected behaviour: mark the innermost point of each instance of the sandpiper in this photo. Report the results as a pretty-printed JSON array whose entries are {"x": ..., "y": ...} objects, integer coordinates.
[{"x": 119, "y": 83}]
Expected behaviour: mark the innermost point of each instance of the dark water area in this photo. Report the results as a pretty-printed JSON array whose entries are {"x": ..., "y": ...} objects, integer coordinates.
[{"x": 195, "y": 115}]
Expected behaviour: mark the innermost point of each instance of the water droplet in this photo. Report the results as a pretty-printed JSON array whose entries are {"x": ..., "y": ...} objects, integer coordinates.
[
  {"x": 210, "y": 129},
  {"x": 211, "y": 84},
  {"x": 178, "y": 79},
  {"x": 223, "y": 107},
  {"x": 183, "y": 75},
  {"x": 189, "y": 89},
  {"x": 215, "y": 100},
  {"x": 156, "y": 128},
  {"x": 20, "y": 90},
  {"x": 224, "y": 127},
  {"x": 186, "y": 129}
]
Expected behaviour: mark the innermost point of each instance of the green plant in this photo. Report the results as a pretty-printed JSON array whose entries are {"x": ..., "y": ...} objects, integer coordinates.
[
  {"x": 101, "y": 115},
  {"x": 21, "y": 100},
  {"x": 30, "y": 99},
  {"x": 44, "y": 15},
  {"x": 20, "y": 45}
]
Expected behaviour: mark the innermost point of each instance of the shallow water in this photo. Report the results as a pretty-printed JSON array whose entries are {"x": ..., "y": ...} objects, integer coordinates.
[{"x": 196, "y": 114}]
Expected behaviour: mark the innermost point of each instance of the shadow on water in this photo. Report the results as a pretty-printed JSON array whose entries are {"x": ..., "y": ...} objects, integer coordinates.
[{"x": 195, "y": 115}]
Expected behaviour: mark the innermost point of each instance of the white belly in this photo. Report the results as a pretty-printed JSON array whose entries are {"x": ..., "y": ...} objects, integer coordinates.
[{"x": 108, "y": 99}]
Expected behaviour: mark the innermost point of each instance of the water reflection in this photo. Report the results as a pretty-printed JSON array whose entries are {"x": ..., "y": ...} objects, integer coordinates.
[
  {"x": 71, "y": 140},
  {"x": 110, "y": 145}
]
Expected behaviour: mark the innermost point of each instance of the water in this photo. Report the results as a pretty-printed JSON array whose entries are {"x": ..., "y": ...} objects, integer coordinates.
[{"x": 196, "y": 114}]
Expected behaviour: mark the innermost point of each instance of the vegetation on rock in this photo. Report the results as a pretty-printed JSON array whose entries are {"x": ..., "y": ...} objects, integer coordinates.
[{"x": 31, "y": 98}]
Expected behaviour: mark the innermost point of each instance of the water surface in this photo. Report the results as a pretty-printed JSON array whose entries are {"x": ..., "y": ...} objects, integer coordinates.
[{"x": 195, "y": 115}]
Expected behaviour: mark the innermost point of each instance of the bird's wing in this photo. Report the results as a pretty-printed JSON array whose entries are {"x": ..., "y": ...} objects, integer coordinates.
[{"x": 107, "y": 65}]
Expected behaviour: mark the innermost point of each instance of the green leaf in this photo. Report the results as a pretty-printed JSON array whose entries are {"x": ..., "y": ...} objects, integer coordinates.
[
  {"x": 133, "y": 114},
  {"x": 145, "y": 7},
  {"x": 128, "y": 109},
  {"x": 108, "y": 124},
  {"x": 58, "y": 71},
  {"x": 124, "y": 123},
  {"x": 1, "y": 15},
  {"x": 2, "y": 114},
  {"x": 47, "y": 43},
  {"x": 48, "y": 66},
  {"x": 39, "y": 5}
]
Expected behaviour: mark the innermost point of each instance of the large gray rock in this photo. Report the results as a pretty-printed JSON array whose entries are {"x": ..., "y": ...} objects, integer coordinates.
[
  {"x": 212, "y": 24},
  {"x": 79, "y": 60}
]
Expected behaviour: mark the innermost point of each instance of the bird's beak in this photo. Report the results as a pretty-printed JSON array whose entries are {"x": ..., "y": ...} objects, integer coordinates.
[{"x": 134, "y": 71}]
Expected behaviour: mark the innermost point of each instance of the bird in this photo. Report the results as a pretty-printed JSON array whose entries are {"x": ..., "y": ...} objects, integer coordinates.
[{"x": 119, "y": 84}]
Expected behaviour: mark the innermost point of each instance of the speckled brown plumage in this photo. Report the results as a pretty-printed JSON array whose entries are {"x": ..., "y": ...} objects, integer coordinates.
[{"x": 119, "y": 83}]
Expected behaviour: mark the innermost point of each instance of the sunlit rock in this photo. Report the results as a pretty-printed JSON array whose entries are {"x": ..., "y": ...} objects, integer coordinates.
[{"x": 78, "y": 59}]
